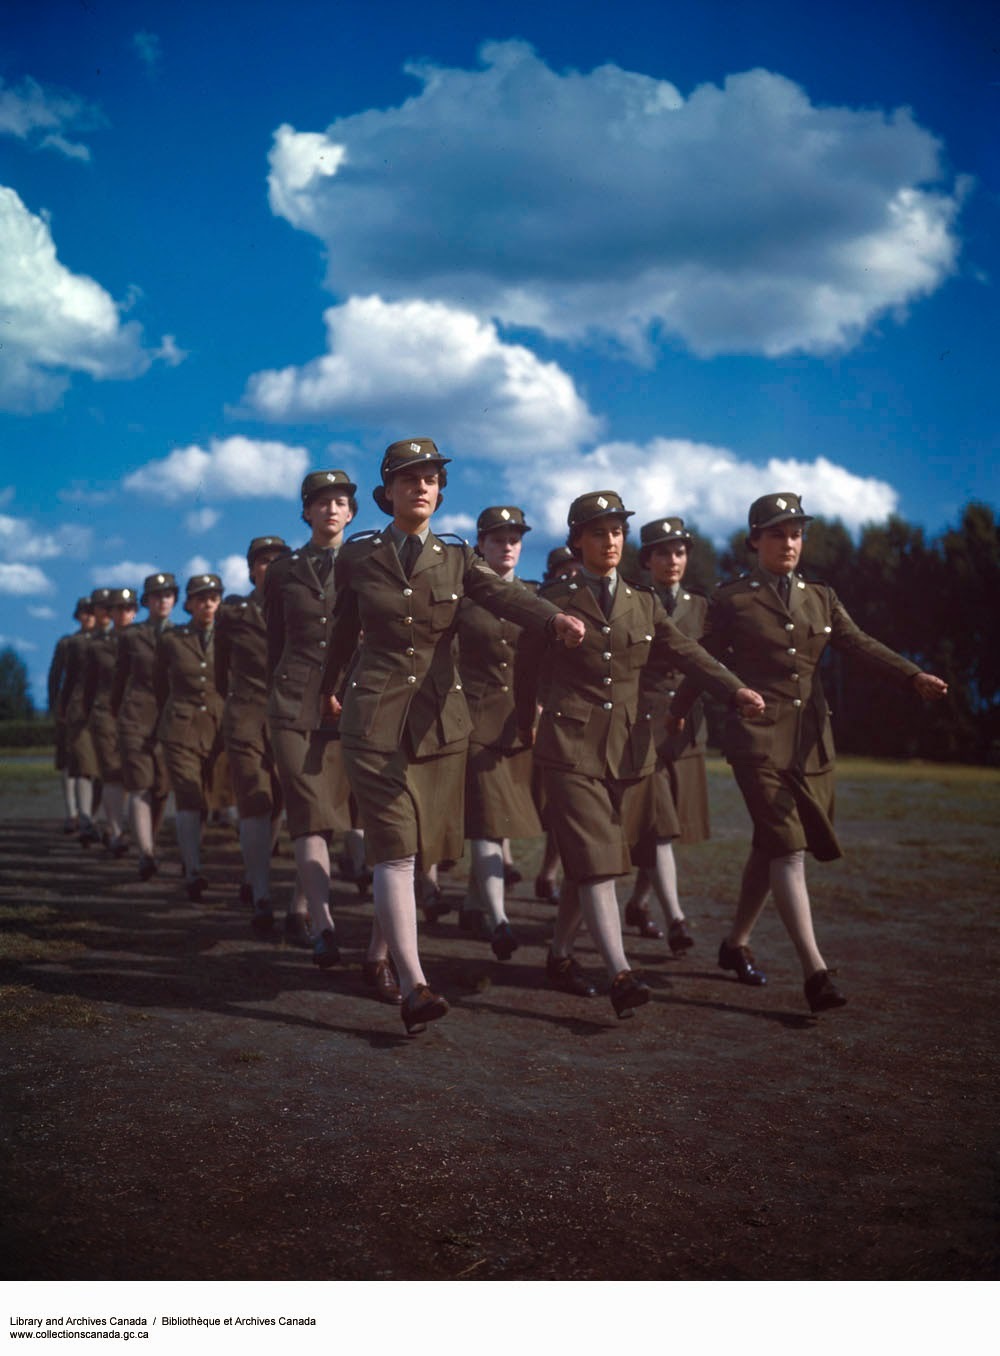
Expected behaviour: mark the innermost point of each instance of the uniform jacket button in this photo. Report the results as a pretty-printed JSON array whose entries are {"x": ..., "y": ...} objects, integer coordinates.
[
  {"x": 606, "y": 654},
  {"x": 607, "y": 705},
  {"x": 792, "y": 650},
  {"x": 407, "y": 621},
  {"x": 411, "y": 651},
  {"x": 411, "y": 678},
  {"x": 504, "y": 687},
  {"x": 606, "y": 630},
  {"x": 606, "y": 682},
  {"x": 789, "y": 626},
  {"x": 796, "y": 702},
  {"x": 407, "y": 593}
]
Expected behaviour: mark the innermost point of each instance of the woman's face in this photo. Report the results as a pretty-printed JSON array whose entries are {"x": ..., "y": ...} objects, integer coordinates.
[
  {"x": 204, "y": 607},
  {"x": 328, "y": 513},
  {"x": 123, "y": 616},
  {"x": 413, "y": 494},
  {"x": 779, "y": 547},
  {"x": 501, "y": 549},
  {"x": 600, "y": 544},
  {"x": 667, "y": 563},
  {"x": 260, "y": 563},
  {"x": 160, "y": 605}
]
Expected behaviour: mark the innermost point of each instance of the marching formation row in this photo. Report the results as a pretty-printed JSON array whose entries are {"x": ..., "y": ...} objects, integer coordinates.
[{"x": 413, "y": 693}]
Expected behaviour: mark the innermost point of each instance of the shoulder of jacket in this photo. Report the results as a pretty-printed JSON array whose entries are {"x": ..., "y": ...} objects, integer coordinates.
[
  {"x": 360, "y": 542},
  {"x": 742, "y": 583},
  {"x": 636, "y": 587},
  {"x": 562, "y": 587}
]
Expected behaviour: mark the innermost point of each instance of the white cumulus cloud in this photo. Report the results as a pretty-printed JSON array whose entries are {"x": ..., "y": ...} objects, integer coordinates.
[
  {"x": 709, "y": 486},
  {"x": 23, "y": 580},
  {"x": 229, "y": 468},
  {"x": 202, "y": 520},
  {"x": 55, "y": 322},
  {"x": 20, "y": 539},
  {"x": 123, "y": 574},
  {"x": 422, "y": 365},
  {"x": 462, "y": 524},
  {"x": 740, "y": 217}
]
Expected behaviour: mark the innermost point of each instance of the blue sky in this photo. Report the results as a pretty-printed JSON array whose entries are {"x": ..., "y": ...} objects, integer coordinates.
[{"x": 692, "y": 252}]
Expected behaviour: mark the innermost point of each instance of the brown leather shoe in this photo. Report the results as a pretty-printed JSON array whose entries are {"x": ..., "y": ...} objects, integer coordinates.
[
  {"x": 564, "y": 974},
  {"x": 638, "y": 916},
  {"x": 628, "y": 992},
  {"x": 822, "y": 993},
  {"x": 381, "y": 976},
  {"x": 420, "y": 1007},
  {"x": 678, "y": 937},
  {"x": 740, "y": 959}
]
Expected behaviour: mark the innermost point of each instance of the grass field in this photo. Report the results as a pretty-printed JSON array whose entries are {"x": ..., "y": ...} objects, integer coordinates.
[{"x": 171, "y": 1084}]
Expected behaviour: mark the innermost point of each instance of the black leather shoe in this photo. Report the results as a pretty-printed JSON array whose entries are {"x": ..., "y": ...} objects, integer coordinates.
[
  {"x": 148, "y": 867},
  {"x": 434, "y": 904},
  {"x": 380, "y": 975},
  {"x": 195, "y": 886},
  {"x": 262, "y": 921},
  {"x": 88, "y": 835},
  {"x": 420, "y": 1007},
  {"x": 638, "y": 916},
  {"x": 511, "y": 876},
  {"x": 678, "y": 937},
  {"x": 564, "y": 974},
  {"x": 119, "y": 846},
  {"x": 628, "y": 992},
  {"x": 822, "y": 993},
  {"x": 740, "y": 959},
  {"x": 503, "y": 941},
  {"x": 545, "y": 888},
  {"x": 297, "y": 929},
  {"x": 326, "y": 952}
]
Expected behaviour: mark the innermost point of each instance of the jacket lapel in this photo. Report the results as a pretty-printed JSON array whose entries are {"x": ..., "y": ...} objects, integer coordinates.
[
  {"x": 765, "y": 594},
  {"x": 433, "y": 553}
]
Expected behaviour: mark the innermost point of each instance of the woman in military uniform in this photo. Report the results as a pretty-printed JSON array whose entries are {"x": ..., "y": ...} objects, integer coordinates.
[
  {"x": 241, "y": 675},
  {"x": 498, "y": 802},
  {"x": 190, "y": 725},
  {"x": 680, "y": 763},
  {"x": 299, "y": 594},
  {"x": 405, "y": 722},
  {"x": 64, "y": 759},
  {"x": 595, "y": 741},
  {"x": 133, "y": 702},
  {"x": 82, "y": 755},
  {"x": 772, "y": 626},
  {"x": 99, "y": 679}
]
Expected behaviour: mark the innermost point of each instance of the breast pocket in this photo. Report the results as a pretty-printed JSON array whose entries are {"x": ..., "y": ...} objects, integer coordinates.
[
  {"x": 443, "y": 606},
  {"x": 638, "y": 640},
  {"x": 562, "y": 731}
]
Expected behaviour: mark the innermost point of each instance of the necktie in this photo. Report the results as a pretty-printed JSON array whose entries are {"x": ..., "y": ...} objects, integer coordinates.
[
  {"x": 324, "y": 565},
  {"x": 605, "y": 596},
  {"x": 408, "y": 553},
  {"x": 784, "y": 588},
  {"x": 669, "y": 602}
]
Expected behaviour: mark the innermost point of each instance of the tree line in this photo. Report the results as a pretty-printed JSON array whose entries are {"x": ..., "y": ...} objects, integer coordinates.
[{"x": 934, "y": 600}]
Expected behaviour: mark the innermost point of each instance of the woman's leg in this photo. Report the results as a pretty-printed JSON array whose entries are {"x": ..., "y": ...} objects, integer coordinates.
[
  {"x": 256, "y": 837},
  {"x": 791, "y": 897},
  {"x": 396, "y": 916},
  {"x": 599, "y": 905},
  {"x": 312, "y": 863},
  {"x": 754, "y": 888},
  {"x": 487, "y": 867}
]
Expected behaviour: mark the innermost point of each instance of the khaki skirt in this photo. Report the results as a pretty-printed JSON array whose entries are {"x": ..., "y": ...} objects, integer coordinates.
[
  {"x": 498, "y": 799},
  {"x": 310, "y": 767},
  {"x": 408, "y": 806},
  {"x": 791, "y": 811},
  {"x": 597, "y": 821}
]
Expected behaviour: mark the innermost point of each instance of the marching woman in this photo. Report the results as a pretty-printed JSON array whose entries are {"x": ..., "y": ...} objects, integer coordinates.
[
  {"x": 595, "y": 743},
  {"x": 405, "y": 721},
  {"x": 680, "y": 763},
  {"x": 98, "y": 684},
  {"x": 133, "y": 702},
  {"x": 772, "y": 626},
  {"x": 64, "y": 760},
  {"x": 498, "y": 802},
  {"x": 190, "y": 718},
  {"x": 241, "y": 676},
  {"x": 299, "y": 594},
  {"x": 81, "y": 754}
]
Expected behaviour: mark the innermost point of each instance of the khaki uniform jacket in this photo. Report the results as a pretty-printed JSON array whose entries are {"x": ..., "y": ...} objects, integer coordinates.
[
  {"x": 241, "y": 665},
  {"x": 184, "y": 682},
  {"x": 133, "y": 699},
  {"x": 594, "y": 721},
  {"x": 487, "y": 649},
  {"x": 299, "y": 619},
  {"x": 776, "y": 651},
  {"x": 57, "y": 670},
  {"x": 99, "y": 675},
  {"x": 661, "y": 681},
  {"x": 71, "y": 706},
  {"x": 405, "y": 681}
]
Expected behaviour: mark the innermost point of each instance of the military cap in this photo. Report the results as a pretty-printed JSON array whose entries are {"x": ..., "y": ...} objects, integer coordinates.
[
  {"x": 598, "y": 504},
  {"x": 101, "y": 598},
  {"x": 660, "y": 532},
  {"x": 770, "y": 509},
  {"x": 260, "y": 544},
  {"x": 559, "y": 555},
  {"x": 408, "y": 452},
  {"x": 123, "y": 598},
  {"x": 318, "y": 481},
  {"x": 202, "y": 583},
  {"x": 162, "y": 582},
  {"x": 84, "y": 608},
  {"x": 501, "y": 515}
]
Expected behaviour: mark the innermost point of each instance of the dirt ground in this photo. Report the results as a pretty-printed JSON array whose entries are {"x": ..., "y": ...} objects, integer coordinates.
[{"x": 181, "y": 1101}]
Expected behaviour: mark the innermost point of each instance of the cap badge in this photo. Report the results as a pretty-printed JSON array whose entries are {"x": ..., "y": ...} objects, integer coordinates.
[
  {"x": 666, "y": 525},
  {"x": 330, "y": 476},
  {"x": 414, "y": 447},
  {"x": 782, "y": 504},
  {"x": 505, "y": 514},
  {"x": 601, "y": 501},
  {"x": 159, "y": 579}
]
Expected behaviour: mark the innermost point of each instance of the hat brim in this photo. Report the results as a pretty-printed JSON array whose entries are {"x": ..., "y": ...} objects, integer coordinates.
[
  {"x": 340, "y": 487},
  {"x": 779, "y": 518},
  {"x": 504, "y": 527}
]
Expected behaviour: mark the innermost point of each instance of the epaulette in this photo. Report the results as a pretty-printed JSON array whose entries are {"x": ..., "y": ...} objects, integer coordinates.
[
  {"x": 233, "y": 598},
  {"x": 451, "y": 539},
  {"x": 729, "y": 583},
  {"x": 363, "y": 536},
  {"x": 553, "y": 585},
  {"x": 639, "y": 588}
]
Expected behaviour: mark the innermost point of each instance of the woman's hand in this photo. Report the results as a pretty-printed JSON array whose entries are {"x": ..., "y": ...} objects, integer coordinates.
[
  {"x": 570, "y": 630},
  {"x": 748, "y": 703},
  {"x": 674, "y": 725},
  {"x": 333, "y": 710},
  {"x": 930, "y": 688}
]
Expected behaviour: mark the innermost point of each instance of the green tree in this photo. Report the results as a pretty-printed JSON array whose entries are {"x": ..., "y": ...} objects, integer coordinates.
[{"x": 15, "y": 694}]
